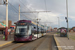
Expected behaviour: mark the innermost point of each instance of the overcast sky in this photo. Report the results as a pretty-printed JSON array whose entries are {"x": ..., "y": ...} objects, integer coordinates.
[{"x": 57, "y": 8}]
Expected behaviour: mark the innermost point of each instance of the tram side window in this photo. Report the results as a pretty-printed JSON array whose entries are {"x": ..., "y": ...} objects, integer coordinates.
[
  {"x": 34, "y": 27},
  {"x": 35, "y": 31}
]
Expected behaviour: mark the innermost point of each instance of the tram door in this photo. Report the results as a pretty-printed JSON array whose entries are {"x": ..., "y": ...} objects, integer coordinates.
[{"x": 29, "y": 31}]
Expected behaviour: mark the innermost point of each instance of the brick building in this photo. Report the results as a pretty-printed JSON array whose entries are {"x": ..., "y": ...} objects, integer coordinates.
[
  {"x": 9, "y": 23},
  {"x": 55, "y": 29},
  {"x": 72, "y": 30}
]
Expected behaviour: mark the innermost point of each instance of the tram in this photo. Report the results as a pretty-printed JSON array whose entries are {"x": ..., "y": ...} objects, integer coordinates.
[{"x": 26, "y": 30}]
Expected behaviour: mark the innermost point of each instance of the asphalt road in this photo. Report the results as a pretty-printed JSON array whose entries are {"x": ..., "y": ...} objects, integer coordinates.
[{"x": 43, "y": 43}]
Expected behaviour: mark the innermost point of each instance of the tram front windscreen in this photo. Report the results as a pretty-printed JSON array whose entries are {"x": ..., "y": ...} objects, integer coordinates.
[{"x": 22, "y": 30}]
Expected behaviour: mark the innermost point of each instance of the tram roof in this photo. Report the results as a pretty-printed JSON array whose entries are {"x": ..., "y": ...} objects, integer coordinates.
[
  {"x": 25, "y": 21},
  {"x": 28, "y": 21},
  {"x": 36, "y": 24}
]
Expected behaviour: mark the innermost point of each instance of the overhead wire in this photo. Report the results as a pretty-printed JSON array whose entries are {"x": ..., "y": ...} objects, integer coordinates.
[
  {"x": 12, "y": 7},
  {"x": 17, "y": 10},
  {"x": 24, "y": 5},
  {"x": 46, "y": 7}
]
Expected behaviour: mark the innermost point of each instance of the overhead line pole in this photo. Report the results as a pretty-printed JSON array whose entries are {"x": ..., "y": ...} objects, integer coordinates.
[
  {"x": 58, "y": 22},
  {"x": 6, "y": 13},
  {"x": 6, "y": 30},
  {"x": 37, "y": 26},
  {"x": 19, "y": 12}
]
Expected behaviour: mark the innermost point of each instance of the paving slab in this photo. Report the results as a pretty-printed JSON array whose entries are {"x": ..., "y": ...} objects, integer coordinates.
[
  {"x": 65, "y": 43},
  {"x": 3, "y": 42}
]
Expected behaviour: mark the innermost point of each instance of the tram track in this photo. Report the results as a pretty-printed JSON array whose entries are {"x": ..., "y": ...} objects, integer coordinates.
[
  {"x": 6, "y": 47},
  {"x": 43, "y": 43},
  {"x": 50, "y": 40},
  {"x": 39, "y": 44},
  {"x": 32, "y": 45},
  {"x": 20, "y": 45},
  {"x": 47, "y": 43}
]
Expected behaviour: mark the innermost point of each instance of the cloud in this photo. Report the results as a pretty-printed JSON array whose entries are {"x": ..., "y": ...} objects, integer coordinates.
[
  {"x": 57, "y": 8},
  {"x": 48, "y": 18}
]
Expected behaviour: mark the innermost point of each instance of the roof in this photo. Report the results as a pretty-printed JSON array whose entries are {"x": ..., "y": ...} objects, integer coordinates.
[
  {"x": 25, "y": 21},
  {"x": 3, "y": 24},
  {"x": 2, "y": 28},
  {"x": 12, "y": 26},
  {"x": 72, "y": 27}
]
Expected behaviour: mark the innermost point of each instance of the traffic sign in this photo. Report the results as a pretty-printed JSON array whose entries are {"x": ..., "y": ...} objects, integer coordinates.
[{"x": 65, "y": 17}]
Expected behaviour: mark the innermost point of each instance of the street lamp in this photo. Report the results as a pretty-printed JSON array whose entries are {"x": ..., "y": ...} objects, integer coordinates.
[
  {"x": 58, "y": 22},
  {"x": 37, "y": 26}
]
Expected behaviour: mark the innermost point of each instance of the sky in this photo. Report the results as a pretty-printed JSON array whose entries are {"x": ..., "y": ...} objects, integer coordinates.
[{"x": 57, "y": 9}]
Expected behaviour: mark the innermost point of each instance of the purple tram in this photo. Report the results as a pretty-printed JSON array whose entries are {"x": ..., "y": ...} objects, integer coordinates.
[{"x": 26, "y": 30}]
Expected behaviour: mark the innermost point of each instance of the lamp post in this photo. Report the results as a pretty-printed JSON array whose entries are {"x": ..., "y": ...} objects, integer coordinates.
[
  {"x": 37, "y": 26},
  {"x": 6, "y": 13},
  {"x": 6, "y": 32},
  {"x": 58, "y": 22},
  {"x": 67, "y": 18},
  {"x": 19, "y": 12}
]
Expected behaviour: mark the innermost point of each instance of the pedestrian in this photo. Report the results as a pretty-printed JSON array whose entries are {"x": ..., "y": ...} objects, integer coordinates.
[{"x": 4, "y": 34}]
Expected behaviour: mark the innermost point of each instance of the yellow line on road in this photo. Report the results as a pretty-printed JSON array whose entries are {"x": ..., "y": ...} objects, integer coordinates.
[
  {"x": 5, "y": 43},
  {"x": 57, "y": 43}
]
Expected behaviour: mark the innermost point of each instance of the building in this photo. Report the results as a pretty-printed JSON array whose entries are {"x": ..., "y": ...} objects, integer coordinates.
[
  {"x": 2, "y": 27},
  {"x": 9, "y": 23},
  {"x": 55, "y": 29},
  {"x": 72, "y": 30}
]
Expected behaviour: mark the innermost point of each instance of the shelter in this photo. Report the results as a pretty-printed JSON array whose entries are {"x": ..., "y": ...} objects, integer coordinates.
[
  {"x": 2, "y": 27},
  {"x": 63, "y": 32}
]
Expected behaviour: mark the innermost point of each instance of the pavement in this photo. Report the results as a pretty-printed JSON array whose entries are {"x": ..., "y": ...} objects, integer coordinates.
[
  {"x": 3, "y": 42},
  {"x": 63, "y": 43}
]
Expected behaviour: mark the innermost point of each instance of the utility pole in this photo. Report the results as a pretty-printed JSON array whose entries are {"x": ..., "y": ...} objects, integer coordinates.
[
  {"x": 6, "y": 13},
  {"x": 67, "y": 18},
  {"x": 37, "y": 26},
  {"x": 58, "y": 22},
  {"x": 6, "y": 31},
  {"x": 19, "y": 12}
]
